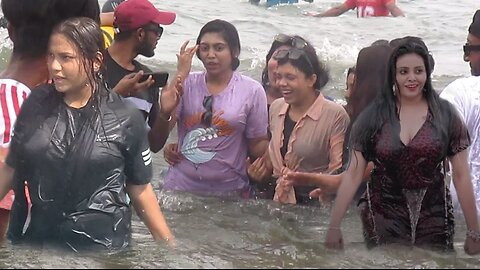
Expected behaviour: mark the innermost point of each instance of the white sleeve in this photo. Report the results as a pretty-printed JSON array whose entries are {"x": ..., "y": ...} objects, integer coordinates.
[{"x": 455, "y": 94}]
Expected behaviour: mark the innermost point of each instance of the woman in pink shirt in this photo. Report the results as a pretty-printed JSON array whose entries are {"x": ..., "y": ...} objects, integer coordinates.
[{"x": 307, "y": 129}]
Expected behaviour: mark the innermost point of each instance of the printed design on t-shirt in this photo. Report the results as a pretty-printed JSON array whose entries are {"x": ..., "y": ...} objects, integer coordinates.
[
  {"x": 219, "y": 128},
  {"x": 147, "y": 157},
  {"x": 366, "y": 11}
]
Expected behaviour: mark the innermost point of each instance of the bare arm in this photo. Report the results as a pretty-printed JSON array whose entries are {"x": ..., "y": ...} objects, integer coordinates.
[
  {"x": 351, "y": 179},
  {"x": 334, "y": 11},
  {"x": 147, "y": 207},
  {"x": 106, "y": 19},
  {"x": 463, "y": 184},
  {"x": 394, "y": 10},
  {"x": 165, "y": 121},
  {"x": 6, "y": 180},
  {"x": 257, "y": 147},
  {"x": 170, "y": 98}
]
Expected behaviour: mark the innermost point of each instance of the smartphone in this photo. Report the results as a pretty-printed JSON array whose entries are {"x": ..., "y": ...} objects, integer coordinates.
[{"x": 160, "y": 78}]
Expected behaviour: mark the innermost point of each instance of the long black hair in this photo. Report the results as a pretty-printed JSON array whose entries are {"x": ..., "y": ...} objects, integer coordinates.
[{"x": 385, "y": 110}]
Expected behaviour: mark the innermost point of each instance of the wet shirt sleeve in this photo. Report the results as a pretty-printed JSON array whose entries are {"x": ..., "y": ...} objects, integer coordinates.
[
  {"x": 24, "y": 119},
  {"x": 138, "y": 158},
  {"x": 459, "y": 137},
  {"x": 257, "y": 118}
]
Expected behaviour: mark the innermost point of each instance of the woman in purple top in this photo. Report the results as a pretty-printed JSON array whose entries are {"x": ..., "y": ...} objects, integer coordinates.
[{"x": 222, "y": 118}]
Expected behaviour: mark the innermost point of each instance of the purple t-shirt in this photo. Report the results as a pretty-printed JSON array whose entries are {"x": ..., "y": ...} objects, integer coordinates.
[{"x": 215, "y": 156}]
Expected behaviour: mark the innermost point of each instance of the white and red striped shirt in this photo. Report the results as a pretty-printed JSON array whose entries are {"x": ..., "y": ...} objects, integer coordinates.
[{"x": 12, "y": 96}]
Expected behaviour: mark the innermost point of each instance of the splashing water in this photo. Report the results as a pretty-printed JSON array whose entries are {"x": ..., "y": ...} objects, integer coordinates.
[{"x": 414, "y": 204}]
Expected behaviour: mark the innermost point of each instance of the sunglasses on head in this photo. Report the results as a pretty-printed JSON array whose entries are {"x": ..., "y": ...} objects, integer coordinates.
[
  {"x": 208, "y": 114},
  {"x": 154, "y": 28},
  {"x": 467, "y": 49},
  {"x": 292, "y": 54},
  {"x": 295, "y": 42}
]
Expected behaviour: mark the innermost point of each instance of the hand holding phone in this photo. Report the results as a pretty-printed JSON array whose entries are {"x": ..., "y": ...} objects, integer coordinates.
[{"x": 160, "y": 78}]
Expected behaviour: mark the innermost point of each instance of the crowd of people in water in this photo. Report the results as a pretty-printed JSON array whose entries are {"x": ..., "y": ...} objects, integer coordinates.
[{"x": 81, "y": 116}]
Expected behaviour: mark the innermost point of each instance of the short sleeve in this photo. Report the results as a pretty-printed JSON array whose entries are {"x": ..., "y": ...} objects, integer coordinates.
[
  {"x": 455, "y": 94},
  {"x": 26, "y": 122},
  {"x": 257, "y": 118},
  {"x": 110, "y": 5},
  {"x": 459, "y": 137},
  {"x": 358, "y": 139},
  {"x": 138, "y": 157}
]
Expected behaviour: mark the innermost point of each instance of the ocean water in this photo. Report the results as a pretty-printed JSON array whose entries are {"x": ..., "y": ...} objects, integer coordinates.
[{"x": 216, "y": 233}]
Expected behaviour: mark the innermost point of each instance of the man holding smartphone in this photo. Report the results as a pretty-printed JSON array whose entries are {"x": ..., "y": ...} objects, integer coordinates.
[{"x": 138, "y": 29}]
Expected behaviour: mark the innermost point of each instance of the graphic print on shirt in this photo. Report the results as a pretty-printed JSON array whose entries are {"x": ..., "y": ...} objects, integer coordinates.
[{"x": 212, "y": 135}]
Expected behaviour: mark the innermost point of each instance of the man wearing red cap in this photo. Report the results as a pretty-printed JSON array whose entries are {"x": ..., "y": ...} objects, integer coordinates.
[
  {"x": 138, "y": 24},
  {"x": 464, "y": 94}
]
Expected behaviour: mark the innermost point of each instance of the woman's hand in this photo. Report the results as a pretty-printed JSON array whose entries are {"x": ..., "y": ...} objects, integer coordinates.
[
  {"x": 171, "y": 154},
  {"x": 184, "y": 59},
  {"x": 257, "y": 171},
  {"x": 471, "y": 246},
  {"x": 334, "y": 239}
]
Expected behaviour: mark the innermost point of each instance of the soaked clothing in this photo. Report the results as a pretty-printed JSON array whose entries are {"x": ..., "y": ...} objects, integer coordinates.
[
  {"x": 464, "y": 94},
  {"x": 315, "y": 143},
  {"x": 407, "y": 197},
  {"x": 76, "y": 163}
]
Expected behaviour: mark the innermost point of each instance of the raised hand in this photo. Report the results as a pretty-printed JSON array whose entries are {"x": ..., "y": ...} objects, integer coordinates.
[
  {"x": 184, "y": 59},
  {"x": 170, "y": 96}
]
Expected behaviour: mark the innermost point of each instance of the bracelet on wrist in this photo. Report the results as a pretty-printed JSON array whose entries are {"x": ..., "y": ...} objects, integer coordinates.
[
  {"x": 164, "y": 118},
  {"x": 475, "y": 236}
]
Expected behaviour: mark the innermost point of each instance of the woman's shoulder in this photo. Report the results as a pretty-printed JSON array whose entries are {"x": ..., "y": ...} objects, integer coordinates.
[
  {"x": 249, "y": 83},
  {"x": 335, "y": 107},
  {"x": 277, "y": 105},
  {"x": 124, "y": 111}
]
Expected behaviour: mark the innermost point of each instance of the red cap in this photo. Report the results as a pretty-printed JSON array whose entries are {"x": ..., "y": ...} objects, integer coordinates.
[{"x": 133, "y": 14}]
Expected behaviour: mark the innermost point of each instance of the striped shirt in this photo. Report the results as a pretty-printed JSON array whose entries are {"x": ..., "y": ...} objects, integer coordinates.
[{"x": 12, "y": 96}]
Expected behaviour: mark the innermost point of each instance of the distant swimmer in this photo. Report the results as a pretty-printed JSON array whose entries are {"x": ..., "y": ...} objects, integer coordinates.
[
  {"x": 270, "y": 3},
  {"x": 365, "y": 8}
]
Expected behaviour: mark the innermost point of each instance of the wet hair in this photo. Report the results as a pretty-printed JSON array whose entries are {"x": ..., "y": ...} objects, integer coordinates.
[
  {"x": 275, "y": 45},
  {"x": 85, "y": 34},
  {"x": 399, "y": 41},
  {"x": 370, "y": 78},
  {"x": 380, "y": 42},
  {"x": 384, "y": 109},
  {"x": 351, "y": 70},
  {"x": 229, "y": 34},
  {"x": 33, "y": 20},
  {"x": 302, "y": 64}
]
